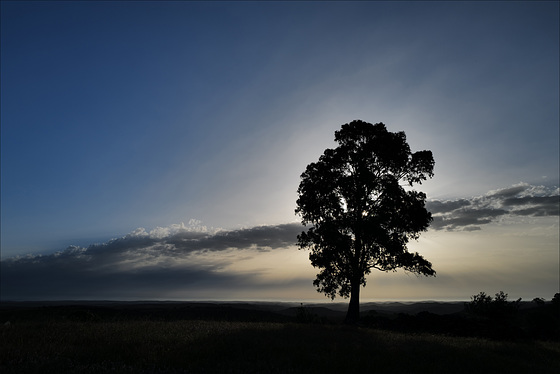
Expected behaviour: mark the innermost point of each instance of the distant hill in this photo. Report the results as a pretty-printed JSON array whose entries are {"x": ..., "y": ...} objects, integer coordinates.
[
  {"x": 210, "y": 310},
  {"x": 436, "y": 307},
  {"x": 237, "y": 310}
]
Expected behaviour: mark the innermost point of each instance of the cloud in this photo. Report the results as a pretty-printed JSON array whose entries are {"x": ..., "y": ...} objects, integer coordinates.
[
  {"x": 154, "y": 264},
  {"x": 519, "y": 200},
  {"x": 437, "y": 206},
  {"x": 259, "y": 237},
  {"x": 193, "y": 261}
]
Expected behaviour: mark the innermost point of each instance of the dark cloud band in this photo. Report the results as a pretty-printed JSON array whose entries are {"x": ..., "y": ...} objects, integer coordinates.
[
  {"x": 172, "y": 260},
  {"x": 519, "y": 200},
  {"x": 140, "y": 264}
]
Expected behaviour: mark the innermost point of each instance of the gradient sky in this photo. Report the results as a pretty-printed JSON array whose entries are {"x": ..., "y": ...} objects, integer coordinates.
[{"x": 152, "y": 150}]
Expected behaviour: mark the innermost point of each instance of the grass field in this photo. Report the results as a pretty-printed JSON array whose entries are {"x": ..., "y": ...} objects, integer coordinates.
[{"x": 198, "y": 346}]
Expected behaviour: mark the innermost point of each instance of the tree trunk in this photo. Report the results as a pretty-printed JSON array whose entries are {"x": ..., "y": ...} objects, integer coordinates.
[{"x": 353, "y": 314}]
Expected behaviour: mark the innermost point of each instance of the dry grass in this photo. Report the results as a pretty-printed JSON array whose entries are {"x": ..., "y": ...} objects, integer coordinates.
[{"x": 243, "y": 347}]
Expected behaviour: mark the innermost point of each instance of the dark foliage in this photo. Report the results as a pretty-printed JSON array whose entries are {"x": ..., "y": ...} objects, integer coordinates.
[
  {"x": 530, "y": 322},
  {"x": 539, "y": 301},
  {"x": 456, "y": 325},
  {"x": 360, "y": 212},
  {"x": 306, "y": 315},
  {"x": 142, "y": 312},
  {"x": 483, "y": 305}
]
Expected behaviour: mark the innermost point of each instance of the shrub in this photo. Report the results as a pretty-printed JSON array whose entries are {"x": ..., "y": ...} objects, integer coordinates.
[
  {"x": 484, "y": 306},
  {"x": 304, "y": 315},
  {"x": 539, "y": 301}
]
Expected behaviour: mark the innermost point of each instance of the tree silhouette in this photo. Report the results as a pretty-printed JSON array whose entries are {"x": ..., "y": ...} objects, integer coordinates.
[
  {"x": 358, "y": 199},
  {"x": 497, "y": 308},
  {"x": 539, "y": 301}
]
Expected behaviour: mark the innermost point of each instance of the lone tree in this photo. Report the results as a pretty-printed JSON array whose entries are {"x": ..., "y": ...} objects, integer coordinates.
[{"x": 362, "y": 215}]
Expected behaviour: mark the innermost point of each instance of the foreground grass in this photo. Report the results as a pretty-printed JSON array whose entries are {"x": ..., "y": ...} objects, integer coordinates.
[{"x": 256, "y": 347}]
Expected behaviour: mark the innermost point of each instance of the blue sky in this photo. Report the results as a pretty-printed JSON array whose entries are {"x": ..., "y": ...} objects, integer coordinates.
[{"x": 198, "y": 117}]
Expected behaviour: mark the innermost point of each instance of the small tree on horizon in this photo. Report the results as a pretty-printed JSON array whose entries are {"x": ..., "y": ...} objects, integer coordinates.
[
  {"x": 483, "y": 305},
  {"x": 360, "y": 212}
]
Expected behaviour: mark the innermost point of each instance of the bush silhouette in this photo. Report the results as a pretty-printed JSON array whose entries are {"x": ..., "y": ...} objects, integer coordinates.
[{"x": 483, "y": 305}]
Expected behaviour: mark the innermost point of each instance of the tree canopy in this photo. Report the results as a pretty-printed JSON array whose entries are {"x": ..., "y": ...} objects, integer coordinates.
[{"x": 362, "y": 211}]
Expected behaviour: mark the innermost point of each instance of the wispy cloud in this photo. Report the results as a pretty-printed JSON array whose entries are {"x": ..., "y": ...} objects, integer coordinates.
[
  {"x": 142, "y": 264},
  {"x": 518, "y": 200}
]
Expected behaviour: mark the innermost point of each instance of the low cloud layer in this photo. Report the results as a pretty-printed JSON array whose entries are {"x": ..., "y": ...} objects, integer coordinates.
[
  {"x": 143, "y": 264},
  {"x": 470, "y": 214},
  {"x": 192, "y": 261}
]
